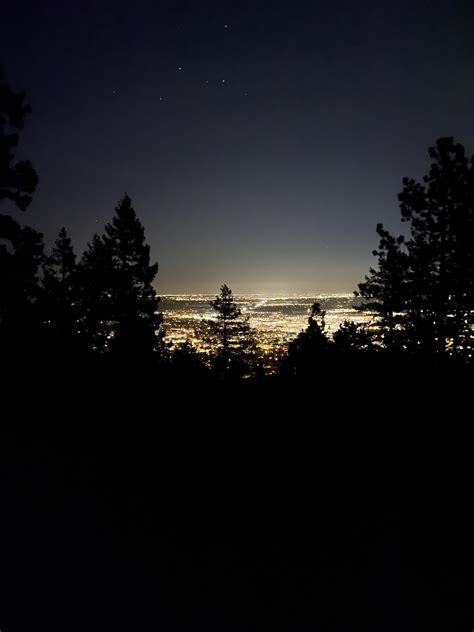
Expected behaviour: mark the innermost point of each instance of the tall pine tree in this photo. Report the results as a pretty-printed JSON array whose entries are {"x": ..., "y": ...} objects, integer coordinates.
[
  {"x": 440, "y": 212},
  {"x": 17, "y": 180},
  {"x": 235, "y": 340},
  {"x": 431, "y": 282},
  {"x": 117, "y": 292},
  {"x": 60, "y": 300},
  {"x": 95, "y": 279},
  {"x": 385, "y": 288},
  {"x": 21, "y": 249}
]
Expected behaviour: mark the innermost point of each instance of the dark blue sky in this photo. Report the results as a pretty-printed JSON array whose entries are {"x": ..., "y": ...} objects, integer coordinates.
[{"x": 272, "y": 153}]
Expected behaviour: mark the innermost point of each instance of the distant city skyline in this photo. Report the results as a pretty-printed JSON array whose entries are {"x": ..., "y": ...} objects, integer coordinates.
[
  {"x": 276, "y": 320},
  {"x": 251, "y": 288},
  {"x": 244, "y": 295}
]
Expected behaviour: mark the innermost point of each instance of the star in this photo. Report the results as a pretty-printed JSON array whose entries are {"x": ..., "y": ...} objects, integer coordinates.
[
  {"x": 223, "y": 80},
  {"x": 180, "y": 68},
  {"x": 226, "y": 26}
]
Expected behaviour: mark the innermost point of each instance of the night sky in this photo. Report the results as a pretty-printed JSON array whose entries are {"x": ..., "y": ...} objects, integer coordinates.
[{"x": 261, "y": 142}]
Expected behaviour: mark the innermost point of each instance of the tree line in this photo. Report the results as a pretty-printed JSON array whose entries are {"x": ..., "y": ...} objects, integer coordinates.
[{"x": 420, "y": 292}]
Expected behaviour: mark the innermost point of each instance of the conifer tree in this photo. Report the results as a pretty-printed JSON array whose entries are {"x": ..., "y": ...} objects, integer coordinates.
[
  {"x": 21, "y": 249},
  {"x": 119, "y": 299},
  {"x": 62, "y": 261},
  {"x": 385, "y": 287},
  {"x": 227, "y": 313},
  {"x": 431, "y": 282},
  {"x": 236, "y": 345},
  {"x": 351, "y": 337},
  {"x": 304, "y": 352},
  {"x": 60, "y": 301},
  {"x": 440, "y": 212},
  {"x": 17, "y": 180},
  {"x": 95, "y": 279}
]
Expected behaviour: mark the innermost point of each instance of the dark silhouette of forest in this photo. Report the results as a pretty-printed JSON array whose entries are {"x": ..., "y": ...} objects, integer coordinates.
[
  {"x": 102, "y": 307},
  {"x": 147, "y": 485}
]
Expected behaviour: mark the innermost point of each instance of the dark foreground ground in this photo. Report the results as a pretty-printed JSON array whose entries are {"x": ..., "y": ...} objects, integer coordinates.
[{"x": 136, "y": 502}]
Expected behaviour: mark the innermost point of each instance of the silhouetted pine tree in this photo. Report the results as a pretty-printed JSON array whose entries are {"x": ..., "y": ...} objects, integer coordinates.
[
  {"x": 440, "y": 212},
  {"x": 60, "y": 301},
  {"x": 61, "y": 264},
  {"x": 17, "y": 180},
  {"x": 352, "y": 337},
  {"x": 304, "y": 352},
  {"x": 120, "y": 302},
  {"x": 19, "y": 263},
  {"x": 425, "y": 292},
  {"x": 227, "y": 313},
  {"x": 385, "y": 288},
  {"x": 95, "y": 279},
  {"x": 236, "y": 353},
  {"x": 20, "y": 248}
]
